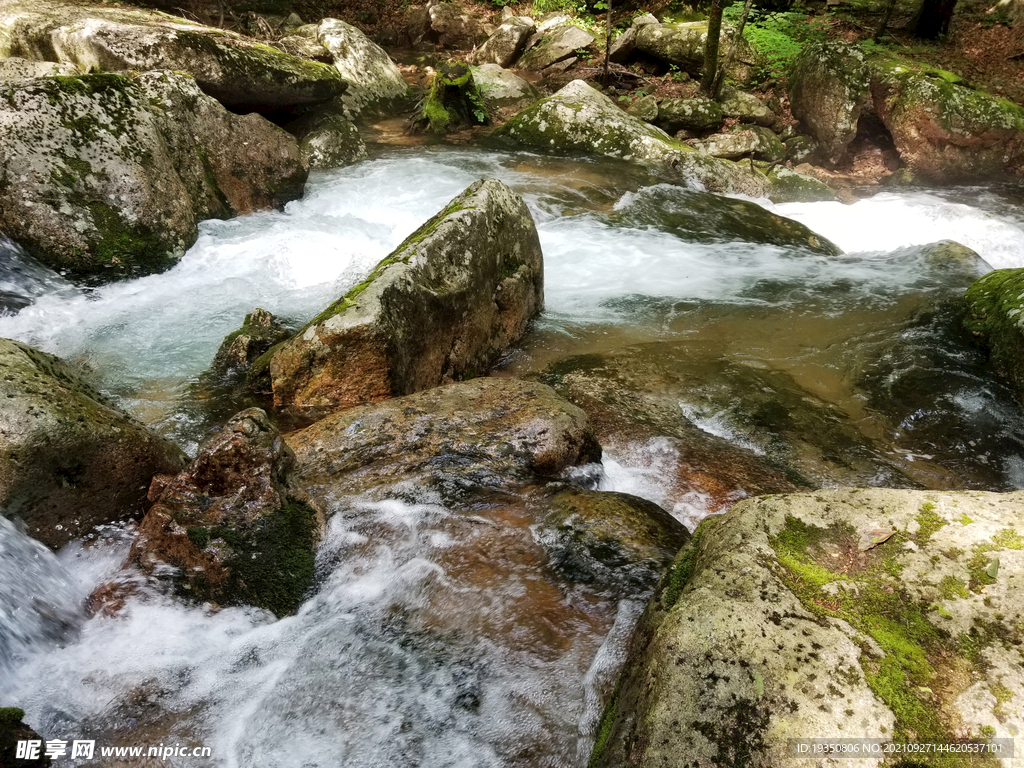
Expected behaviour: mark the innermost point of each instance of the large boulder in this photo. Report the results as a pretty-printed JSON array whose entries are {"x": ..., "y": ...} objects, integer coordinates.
[
  {"x": 507, "y": 42},
  {"x": 229, "y": 530},
  {"x": 580, "y": 119},
  {"x": 828, "y": 88},
  {"x": 844, "y": 614},
  {"x": 374, "y": 83},
  {"x": 107, "y": 175},
  {"x": 240, "y": 73},
  {"x": 327, "y": 139},
  {"x": 456, "y": 293},
  {"x": 558, "y": 45},
  {"x": 446, "y": 25},
  {"x": 752, "y": 141},
  {"x": 682, "y": 45},
  {"x": 945, "y": 130},
  {"x": 995, "y": 315},
  {"x": 698, "y": 115},
  {"x": 502, "y": 88},
  {"x": 745, "y": 107},
  {"x": 69, "y": 458},
  {"x": 455, "y": 439}
]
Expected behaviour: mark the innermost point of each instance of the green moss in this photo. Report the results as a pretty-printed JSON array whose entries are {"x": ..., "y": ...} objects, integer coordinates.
[
  {"x": 605, "y": 729},
  {"x": 682, "y": 568},
  {"x": 915, "y": 651},
  {"x": 951, "y": 587},
  {"x": 453, "y": 101},
  {"x": 127, "y": 249},
  {"x": 11, "y": 716},
  {"x": 964, "y": 519},
  {"x": 1008, "y": 538},
  {"x": 929, "y": 522}
]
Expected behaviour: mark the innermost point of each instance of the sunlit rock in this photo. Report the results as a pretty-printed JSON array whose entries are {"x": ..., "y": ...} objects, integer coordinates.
[
  {"x": 507, "y": 42},
  {"x": 774, "y": 624},
  {"x": 374, "y": 83},
  {"x": 69, "y": 459},
  {"x": 455, "y": 294}
]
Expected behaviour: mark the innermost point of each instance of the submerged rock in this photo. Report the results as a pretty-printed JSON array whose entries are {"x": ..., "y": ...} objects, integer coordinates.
[
  {"x": 229, "y": 529},
  {"x": 484, "y": 433},
  {"x": 259, "y": 332},
  {"x": 374, "y": 83},
  {"x": 456, "y": 293},
  {"x": 505, "y": 45},
  {"x": 108, "y": 176},
  {"x": 943, "y": 129},
  {"x": 995, "y": 315},
  {"x": 861, "y": 613},
  {"x": 828, "y": 89},
  {"x": 579, "y": 118},
  {"x": 614, "y": 540},
  {"x": 69, "y": 459},
  {"x": 238, "y": 72}
]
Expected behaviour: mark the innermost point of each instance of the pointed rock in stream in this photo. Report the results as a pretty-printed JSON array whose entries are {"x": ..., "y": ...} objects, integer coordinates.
[{"x": 440, "y": 308}]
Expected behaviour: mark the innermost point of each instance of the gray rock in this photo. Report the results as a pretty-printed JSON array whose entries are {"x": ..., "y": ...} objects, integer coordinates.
[
  {"x": 642, "y": 19},
  {"x": 698, "y": 115},
  {"x": 69, "y": 458},
  {"x": 503, "y": 88},
  {"x": 508, "y": 41},
  {"x": 328, "y": 140},
  {"x": 828, "y": 88},
  {"x": 753, "y": 141},
  {"x": 623, "y": 47},
  {"x": 375, "y": 84},
  {"x": 306, "y": 48},
  {"x": 790, "y": 185},
  {"x": 645, "y": 108},
  {"x": 236, "y": 71},
  {"x": 15, "y": 68},
  {"x": 484, "y": 433},
  {"x": 746, "y": 107},
  {"x": 683, "y": 44},
  {"x": 802, "y": 149},
  {"x": 560, "y": 44},
  {"x": 106, "y": 175},
  {"x": 839, "y": 612},
  {"x": 452, "y": 27},
  {"x": 579, "y": 118},
  {"x": 439, "y": 308}
]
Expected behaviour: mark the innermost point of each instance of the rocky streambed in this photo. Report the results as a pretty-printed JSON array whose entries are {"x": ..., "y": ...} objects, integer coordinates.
[{"x": 438, "y": 500}]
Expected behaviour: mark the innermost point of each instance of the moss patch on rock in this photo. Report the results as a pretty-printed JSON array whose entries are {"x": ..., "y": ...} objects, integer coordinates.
[{"x": 995, "y": 316}]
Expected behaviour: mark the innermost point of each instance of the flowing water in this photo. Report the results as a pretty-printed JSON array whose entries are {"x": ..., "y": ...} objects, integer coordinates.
[{"x": 440, "y": 637}]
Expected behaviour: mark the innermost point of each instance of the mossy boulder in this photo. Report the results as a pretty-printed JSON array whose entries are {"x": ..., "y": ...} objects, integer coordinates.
[
  {"x": 828, "y": 89},
  {"x": 327, "y": 139},
  {"x": 557, "y": 45},
  {"x": 439, "y": 308},
  {"x": 945, "y": 130},
  {"x": 229, "y": 529},
  {"x": 455, "y": 439},
  {"x": 697, "y": 115},
  {"x": 645, "y": 108},
  {"x": 240, "y": 73},
  {"x": 13, "y": 730},
  {"x": 682, "y": 45},
  {"x": 259, "y": 332},
  {"x": 15, "y": 68},
  {"x": 374, "y": 83},
  {"x": 616, "y": 541},
  {"x": 854, "y": 613},
  {"x": 501, "y": 88},
  {"x": 105, "y": 176},
  {"x": 69, "y": 458},
  {"x": 507, "y": 42},
  {"x": 792, "y": 186},
  {"x": 580, "y": 119},
  {"x": 995, "y": 315},
  {"x": 802, "y": 149},
  {"x": 744, "y": 141},
  {"x": 745, "y": 107}
]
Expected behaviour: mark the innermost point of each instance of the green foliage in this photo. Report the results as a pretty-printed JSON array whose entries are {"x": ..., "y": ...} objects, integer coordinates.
[
  {"x": 577, "y": 7},
  {"x": 777, "y": 37}
]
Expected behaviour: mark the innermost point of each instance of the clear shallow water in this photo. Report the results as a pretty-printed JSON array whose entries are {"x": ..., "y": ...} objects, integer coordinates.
[{"x": 435, "y": 638}]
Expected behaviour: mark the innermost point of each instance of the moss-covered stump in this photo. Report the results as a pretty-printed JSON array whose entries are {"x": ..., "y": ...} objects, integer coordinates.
[
  {"x": 238, "y": 72},
  {"x": 853, "y": 613},
  {"x": 69, "y": 458},
  {"x": 453, "y": 102},
  {"x": 439, "y": 308},
  {"x": 106, "y": 176},
  {"x": 995, "y": 315},
  {"x": 945, "y": 130},
  {"x": 580, "y": 119},
  {"x": 616, "y": 541},
  {"x": 485, "y": 433},
  {"x": 13, "y": 730},
  {"x": 828, "y": 89},
  {"x": 229, "y": 530}
]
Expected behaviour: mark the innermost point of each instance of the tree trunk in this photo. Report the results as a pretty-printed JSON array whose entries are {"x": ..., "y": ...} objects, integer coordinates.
[
  {"x": 607, "y": 41},
  {"x": 707, "y": 80},
  {"x": 932, "y": 18},
  {"x": 716, "y": 86}
]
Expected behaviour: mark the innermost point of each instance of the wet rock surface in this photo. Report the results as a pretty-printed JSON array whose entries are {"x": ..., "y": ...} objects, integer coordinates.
[
  {"x": 439, "y": 308},
  {"x": 868, "y": 613},
  {"x": 69, "y": 458}
]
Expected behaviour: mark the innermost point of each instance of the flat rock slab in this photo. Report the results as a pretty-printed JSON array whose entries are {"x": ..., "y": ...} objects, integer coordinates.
[
  {"x": 859, "y": 613},
  {"x": 455, "y": 294}
]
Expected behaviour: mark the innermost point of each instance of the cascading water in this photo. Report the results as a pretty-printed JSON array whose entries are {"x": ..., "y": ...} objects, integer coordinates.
[{"x": 438, "y": 638}]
